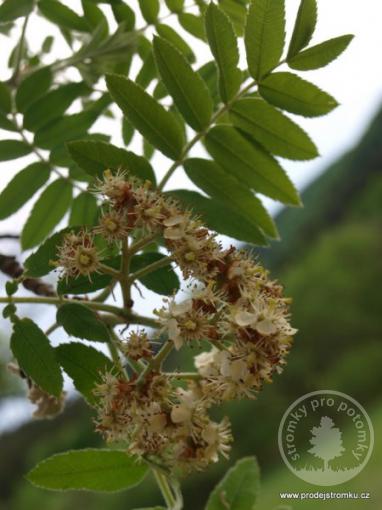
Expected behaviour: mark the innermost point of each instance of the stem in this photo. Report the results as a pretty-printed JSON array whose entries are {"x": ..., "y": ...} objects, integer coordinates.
[
  {"x": 60, "y": 301},
  {"x": 125, "y": 268},
  {"x": 192, "y": 376},
  {"x": 200, "y": 134},
  {"x": 20, "y": 49},
  {"x": 165, "y": 489},
  {"x": 165, "y": 261},
  {"x": 141, "y": 243},
  {"x": 109, "y": 270},
  {"x": 156, "y": 362},
  {"x": 52, "y": 328},
  {"x": 113, "y": 349},
  {"x": 105, "y": 293}
]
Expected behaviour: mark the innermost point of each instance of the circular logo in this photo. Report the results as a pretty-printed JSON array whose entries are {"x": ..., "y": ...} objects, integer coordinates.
[{"x": 326, "y": 437}]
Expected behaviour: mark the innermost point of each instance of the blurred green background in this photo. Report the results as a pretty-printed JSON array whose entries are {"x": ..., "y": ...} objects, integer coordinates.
[{"x": 330, "y": 263}]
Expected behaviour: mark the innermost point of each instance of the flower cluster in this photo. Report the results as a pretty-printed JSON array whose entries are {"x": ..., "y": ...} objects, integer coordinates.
[
  {"x": 160, "y": 421},
  {"x": 232, "y": 307}
]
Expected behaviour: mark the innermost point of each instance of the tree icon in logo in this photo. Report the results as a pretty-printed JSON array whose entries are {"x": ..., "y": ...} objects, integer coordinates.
[{"x": 327, "y": 441}]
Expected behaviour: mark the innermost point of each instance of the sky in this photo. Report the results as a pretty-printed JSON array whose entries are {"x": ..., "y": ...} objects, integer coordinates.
[{"x": 355, "y": 80}]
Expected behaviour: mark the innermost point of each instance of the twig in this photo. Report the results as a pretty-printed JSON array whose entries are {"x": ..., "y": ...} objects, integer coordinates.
[{"x": 11, "y": 267}]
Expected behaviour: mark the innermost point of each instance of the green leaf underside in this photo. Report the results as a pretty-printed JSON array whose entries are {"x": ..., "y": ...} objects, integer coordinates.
[
  {"x": 35, "y": 356},
  {"x": 149, "y": 10},
  {"x": 33, "y": 87},
  {"x": 264, "y": 36},
  {"x": 218, "y": 184},
  {"x": 172, "y": 36},
  {"x": 223, "y": 44},
  {"x": 96, "y": 157},
  {"x": 192, "y": 24},
  {"x": 214, "y": 213},
  {"x": 84, "y": 210},
  {"x": 91, "y": 469},
  {"x": 155, "y": 123},
  {"x": 238, "y": 489},
  {"x": 237, "y": 12},
  {"x": 22, "y": 187},
  {"x": 47, "y": 212},
  {"x": 52, "y": 105},
  {"x": 84, "y": 365},
  {"x": 83, "y": 285},
  {"x": 81, "y": 322},
  {"x": 163, "y": 281},
  {"x": 251, "y": 164},
  {"x": 187, "y": 88},
  {"x": 13, "y": 149},
  {"x": 304, "y": 27},
  {"x": 11, "y": 10},
  {"x": 276, "y": 132},
  {"x": 62, "y": 15},
  {"x": 295, "y": 95},
  {"x": 65, "y": 128},
  {"x": 320, "y": 55},
  {"x": 5, "y": 98}
]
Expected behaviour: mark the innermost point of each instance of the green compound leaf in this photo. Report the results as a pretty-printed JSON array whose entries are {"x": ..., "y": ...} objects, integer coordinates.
[
  {"x": 295, "y": 95},
  {"x": 187, "y": 88},
  {"x": 276, "y": 132},
  {"x": 218, "y": 184},
  {"x": 223, "y": 44},
  {"x": 264, "y": 36},
  {"x": 35, "y": 356},
  {"x": 84, "y": 365},
  {"x": 320, "y": 55},
  {"x": 11, "y": 10},
  {"x": 96, "y": 157},
  {"x": 163, "y": 281},
  {"x": 47, "y": 212},
  {"x": 84, "y": 210},
  {"x": 33, "y": 87},
  {"x": 304, "y": 27},
  {"x": 81, "y": 322},
  {"x": 249, "y": 163},
  {"x": 22, "y": 187},
  {"x": 238, "y": 489},
  {"x": 13, "y": 149},
  {"x": 159, "y": 126},
  {"x": 214, "y": 214},
  {"x": 63, "y": 16},
  {"x": 91, "y": 469}
]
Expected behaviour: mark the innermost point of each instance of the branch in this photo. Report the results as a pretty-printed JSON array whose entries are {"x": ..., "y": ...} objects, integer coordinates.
[
  {"x": 165, "y": 261},
  {"x": 11, "y": 267},
  {"x": 16, "y": 237}
]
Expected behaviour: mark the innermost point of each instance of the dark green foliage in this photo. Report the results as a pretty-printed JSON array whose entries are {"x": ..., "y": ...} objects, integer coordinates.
[
  {"x": 22, "y": 187},
  {"x": 35, "y": 356},
  {"x": 85, "y": 365},
  {"x": 80, "y": 321}
]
